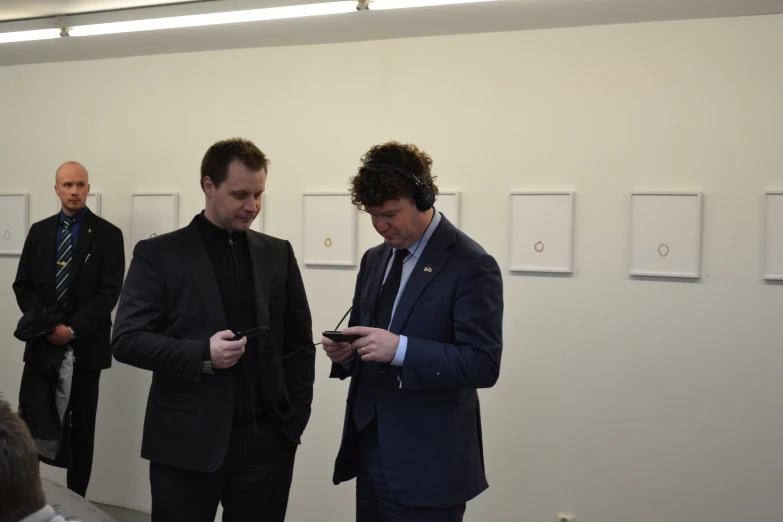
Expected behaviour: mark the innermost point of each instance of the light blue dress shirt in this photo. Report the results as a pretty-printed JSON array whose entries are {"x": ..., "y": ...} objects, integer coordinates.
[{"x": 408, "y": 264}]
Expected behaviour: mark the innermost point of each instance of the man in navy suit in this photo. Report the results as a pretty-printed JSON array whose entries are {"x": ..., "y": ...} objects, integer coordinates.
[{"x": 428, "y": 313}]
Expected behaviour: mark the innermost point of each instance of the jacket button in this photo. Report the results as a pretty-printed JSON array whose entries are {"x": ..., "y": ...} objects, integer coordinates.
[{"x": 230, "y": 396}]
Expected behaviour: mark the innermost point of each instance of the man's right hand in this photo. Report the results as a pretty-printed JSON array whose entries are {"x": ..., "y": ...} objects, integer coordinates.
[
  {"x": 337, "y": 352},
  {"x": 225, "y": 352}
]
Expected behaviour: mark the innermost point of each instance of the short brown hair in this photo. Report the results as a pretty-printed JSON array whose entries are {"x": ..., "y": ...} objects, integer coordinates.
[
  {"x": 20, "y": 482},
  {"x": 220, "y": 155},
  {"x": 374, "y": 185}
]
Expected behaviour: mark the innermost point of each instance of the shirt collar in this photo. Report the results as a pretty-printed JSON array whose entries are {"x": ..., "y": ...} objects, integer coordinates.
[
  {"x": 79, "y": 216},
  {"x": 214, "y": 232},
  {"x": 418, "y": 247}
]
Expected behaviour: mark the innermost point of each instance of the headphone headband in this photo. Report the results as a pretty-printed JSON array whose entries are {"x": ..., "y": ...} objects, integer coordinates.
[
  {"x": 424, "y": 197},
  {"x": 407, "y": 173}
]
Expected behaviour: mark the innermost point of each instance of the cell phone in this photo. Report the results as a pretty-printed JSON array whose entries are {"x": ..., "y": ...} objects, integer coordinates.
[{"x": 340, "y": 337}]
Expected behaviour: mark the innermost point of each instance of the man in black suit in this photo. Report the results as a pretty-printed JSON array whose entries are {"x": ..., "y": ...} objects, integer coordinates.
[
  {"x": 75, "y": 261},
  {"x": 219, "y": 314}
]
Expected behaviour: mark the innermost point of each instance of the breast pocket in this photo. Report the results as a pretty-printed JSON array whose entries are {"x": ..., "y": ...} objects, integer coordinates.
[{"x": 89, "y": 270}]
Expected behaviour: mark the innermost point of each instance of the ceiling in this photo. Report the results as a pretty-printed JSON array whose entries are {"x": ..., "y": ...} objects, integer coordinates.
[
  {"x": 507, "y": 15},
  {"x": 22, "y": 9}
]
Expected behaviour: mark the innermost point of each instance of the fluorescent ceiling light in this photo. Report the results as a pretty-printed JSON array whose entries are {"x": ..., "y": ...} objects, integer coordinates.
[
  {"x": 252, "y": 15},
  {"x": 379, "y": 5},
  {"x": 26, "y": 36},
  {"x": 231, "y": 17}
]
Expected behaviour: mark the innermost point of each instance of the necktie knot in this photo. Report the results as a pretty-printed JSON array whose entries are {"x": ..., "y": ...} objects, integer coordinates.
[
  {"x": 399, "y": 257},
  {"x": 69, "y": 222}
]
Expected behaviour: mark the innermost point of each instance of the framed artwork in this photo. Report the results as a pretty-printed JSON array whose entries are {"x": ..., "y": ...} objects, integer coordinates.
[
  {"x": 154, "y": 214},
  {"x": 329, "y": 229},
  {"x": 773, "y": 236},
  {"x": 666, "y": 232},
  {"x": 14, "y": 223},
  {"x": 542, "y": 232}
]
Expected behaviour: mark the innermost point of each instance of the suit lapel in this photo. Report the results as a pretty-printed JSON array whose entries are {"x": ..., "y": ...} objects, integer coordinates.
[
  {"x": 196, "y": 260},
  {"x": 432, "y": 260},
  {"x": 49, "y": 252},
  {"x": 259, "y": 255},
  {"x": 86, "y": 233}
]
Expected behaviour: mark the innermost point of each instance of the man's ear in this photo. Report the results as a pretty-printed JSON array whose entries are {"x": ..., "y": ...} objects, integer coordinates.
[{"x": 207, "y": 186}]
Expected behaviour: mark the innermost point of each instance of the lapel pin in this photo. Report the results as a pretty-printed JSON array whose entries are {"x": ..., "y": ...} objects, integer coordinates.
[
  {"x": 428, "y": 269},
  {"x": 89, "y": 231}
]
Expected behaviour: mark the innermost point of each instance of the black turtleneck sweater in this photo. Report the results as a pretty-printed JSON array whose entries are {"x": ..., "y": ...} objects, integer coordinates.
[{"x": 229, "y": 256}]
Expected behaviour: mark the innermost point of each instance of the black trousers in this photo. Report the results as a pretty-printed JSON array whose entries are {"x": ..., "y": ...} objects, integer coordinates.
[
  {"x": 84, "y": 409},
  {"x": 375, "y": 502},
  {"x": 252, "y": 484}
]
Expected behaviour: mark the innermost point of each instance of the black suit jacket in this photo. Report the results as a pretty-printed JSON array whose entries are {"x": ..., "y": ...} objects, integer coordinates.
[
  {"x": 170, "y": 306},
  {"x": 95, "y": 283}
]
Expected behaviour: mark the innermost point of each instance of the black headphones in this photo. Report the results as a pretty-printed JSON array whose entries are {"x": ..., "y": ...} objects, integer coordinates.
[{"x": 424, "y": 197}]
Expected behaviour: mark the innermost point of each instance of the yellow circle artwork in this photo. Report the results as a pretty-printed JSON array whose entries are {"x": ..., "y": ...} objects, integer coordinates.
[{"x": 328, "y": 242}]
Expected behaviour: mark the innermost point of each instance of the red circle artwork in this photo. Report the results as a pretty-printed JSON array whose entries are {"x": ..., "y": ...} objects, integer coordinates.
[
  {"x": 663, "y": 250},
  {"x": 539, "y": 247}
]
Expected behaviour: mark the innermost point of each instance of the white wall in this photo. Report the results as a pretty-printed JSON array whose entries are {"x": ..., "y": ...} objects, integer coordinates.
[{"x": 620, "y": 400}]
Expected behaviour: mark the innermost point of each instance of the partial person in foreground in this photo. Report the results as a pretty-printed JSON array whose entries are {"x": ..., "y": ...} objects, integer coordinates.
[
  {"x": 218, "y": 313},
  {"x": 68, "y": 282},
  {"x": 428, "y": 313},
  {"x": 22, "y": 498}
]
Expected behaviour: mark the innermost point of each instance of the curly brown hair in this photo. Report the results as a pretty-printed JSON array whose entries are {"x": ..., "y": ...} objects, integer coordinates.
[{"x": 374, "y": 185}]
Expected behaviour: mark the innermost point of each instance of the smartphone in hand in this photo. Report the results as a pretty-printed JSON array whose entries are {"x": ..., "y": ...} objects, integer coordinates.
[{"x": 340, "y": 337}]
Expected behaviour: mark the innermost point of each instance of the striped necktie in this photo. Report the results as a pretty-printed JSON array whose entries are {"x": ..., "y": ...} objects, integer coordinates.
[{"x": 64, "y": 255}]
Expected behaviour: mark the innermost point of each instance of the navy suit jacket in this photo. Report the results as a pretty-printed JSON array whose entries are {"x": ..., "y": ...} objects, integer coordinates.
[{"x": 429, "y": 423}]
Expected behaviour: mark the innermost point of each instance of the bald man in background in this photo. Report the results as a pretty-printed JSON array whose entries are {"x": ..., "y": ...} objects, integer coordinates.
[{"x": 72, "y": 265}]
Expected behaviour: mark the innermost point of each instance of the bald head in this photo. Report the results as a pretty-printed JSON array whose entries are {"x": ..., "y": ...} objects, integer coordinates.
[
  {"x": 72, "y": 184},
  {"x": 70, "y": 167}
]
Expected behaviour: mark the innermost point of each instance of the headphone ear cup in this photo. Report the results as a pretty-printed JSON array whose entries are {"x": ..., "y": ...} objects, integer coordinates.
[{"x": 425, "y": 198}]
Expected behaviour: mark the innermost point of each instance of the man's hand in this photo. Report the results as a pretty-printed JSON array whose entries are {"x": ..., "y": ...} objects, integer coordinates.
[
  {"x": 60, "y": 335},
  {"x": 225, "y": 352},
  {"x": 375, "y": 344},
  {"x": 337, "y": 352}
]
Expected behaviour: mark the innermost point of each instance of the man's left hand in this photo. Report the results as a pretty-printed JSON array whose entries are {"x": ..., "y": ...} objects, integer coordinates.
[
  {"x": 375, "y": 344},
  {"x": 59, "y": 335}
]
